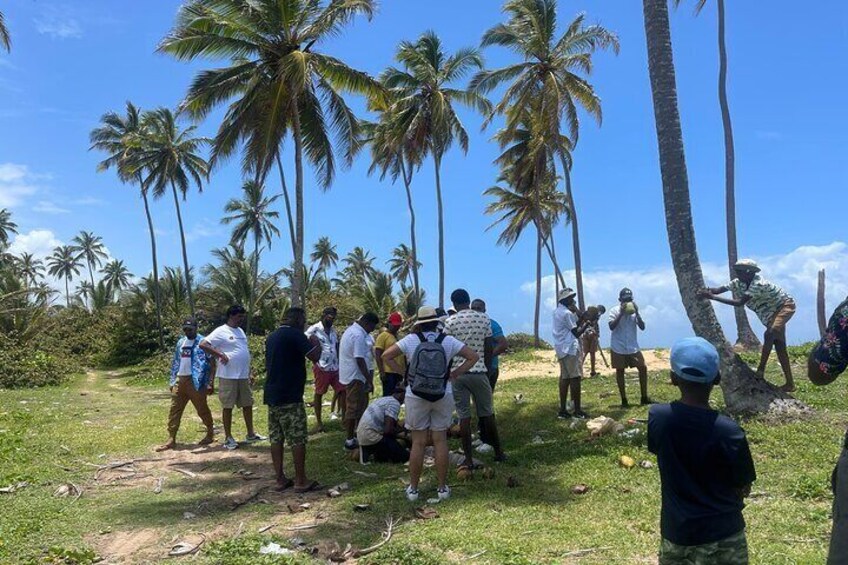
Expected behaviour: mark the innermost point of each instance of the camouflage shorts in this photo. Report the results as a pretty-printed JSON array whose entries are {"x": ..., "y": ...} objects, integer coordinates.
[
  {"x": 729, "y": 551},
  {"x": 287, "y": 424}
]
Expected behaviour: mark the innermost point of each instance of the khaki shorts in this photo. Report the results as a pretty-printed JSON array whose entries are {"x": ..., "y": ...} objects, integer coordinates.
[
  {"x": 570, "y": 367},
  {"x": 473, "y": 386},
  {"x": 356, "y": 400},
  {"x": 627, "y": 361},
  {"x": 424, "y": 415},
  {"x": 287, "y": 424},
  {"x": 778, "y": 323},
  {"x": 234, "y": 392}
]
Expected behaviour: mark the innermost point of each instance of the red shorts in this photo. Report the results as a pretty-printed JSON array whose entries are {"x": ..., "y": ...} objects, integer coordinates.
[{"x": 326, "y": 379}]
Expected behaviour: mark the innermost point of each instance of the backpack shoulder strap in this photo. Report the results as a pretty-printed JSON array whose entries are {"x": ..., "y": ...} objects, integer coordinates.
[
  {"x": 421, "y": 337},
  {"x": 441, "y": 337}
]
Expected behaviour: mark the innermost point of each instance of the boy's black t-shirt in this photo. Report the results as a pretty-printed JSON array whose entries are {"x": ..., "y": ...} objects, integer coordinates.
[
  {"x": 285, "y": 363},
  {"x": 703, "y": 459}
]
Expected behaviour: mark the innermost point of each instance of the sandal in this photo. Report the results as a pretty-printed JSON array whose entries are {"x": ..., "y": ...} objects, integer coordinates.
[
  {"x": 313, "y": 486},
  {"x": 289, "y": 483}
]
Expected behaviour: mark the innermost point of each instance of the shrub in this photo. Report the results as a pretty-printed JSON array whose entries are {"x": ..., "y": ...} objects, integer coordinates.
[
  {"x": 22, "y": 366},
  {"x": 522, "y": 341}
]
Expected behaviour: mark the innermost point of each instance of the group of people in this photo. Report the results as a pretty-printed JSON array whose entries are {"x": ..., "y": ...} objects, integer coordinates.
[{"x": 447, "y": 363}]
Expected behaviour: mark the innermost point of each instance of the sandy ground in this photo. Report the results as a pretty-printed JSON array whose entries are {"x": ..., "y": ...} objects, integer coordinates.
[{"x": 545, "y": 364}]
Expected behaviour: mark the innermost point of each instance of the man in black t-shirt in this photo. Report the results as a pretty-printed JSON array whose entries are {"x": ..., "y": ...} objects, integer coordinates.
[
  {"x": 286, "y": 351},
  {"x": 705, "y": 465}
]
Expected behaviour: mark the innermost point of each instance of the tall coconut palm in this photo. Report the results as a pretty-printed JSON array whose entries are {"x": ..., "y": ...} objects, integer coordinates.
[
  {"x": 65, "y": 264},
  {"x": 324, "y": 255},
  {"x": 90, "y": 248},
  {"x": 423, "y": 110},
  {"x": 552, "y": 68},
  {"x": 744, "y": 392},
  {"x": 5, "y": 38},
  {"x": 403, "y": 264},
  {"x": 278, "y": 81},
  {"x": 116, "y": 277},
  {"x": 7, "y": 226},
  {"x": 122, "y": 138},
  {"x": 170, "y": 158},
  {"x": 29, "y": 268},
  {"x": 360, "y": 263},
  {"x": 745, "y": 335},
  {"x": 252, "y": 216}
]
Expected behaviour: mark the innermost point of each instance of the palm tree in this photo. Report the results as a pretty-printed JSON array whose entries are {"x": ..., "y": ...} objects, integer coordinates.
[
  {"x": 116, "y": 276},
  {"x": 5, "y": 38},
  {"x": 170, "y": 157},
  {"x": 551, "y": 69},
  {"x": 231, "y": 279},
  {"x": 29, "y": 268},
  {"x": 424, "y": 118},
  {"x": 360, "y": 263},
  {"x": 745, "y": 336},
  {"x": 7, "y": 226},
  {"x": 64, "y": 263},
  {"x": 324, "y": 255},
  {"x": 403, "y": 264},
  {"x": 175, "y": 291},
  {"x": 122, "y": 138},
  {"x": 90, "y": 247},
  {"x": 278, "y": 81},
  {"x": 743, "y": 391},
  {"x": 252, "y": 215}
]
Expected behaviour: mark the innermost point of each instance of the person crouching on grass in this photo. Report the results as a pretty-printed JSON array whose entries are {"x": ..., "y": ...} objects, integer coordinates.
[
  {"x": 378, "y": 430},
  {"x": 705, "y": 464},
  {"x": 189, "y": 382},
  {"x": 772, "y": 305}
]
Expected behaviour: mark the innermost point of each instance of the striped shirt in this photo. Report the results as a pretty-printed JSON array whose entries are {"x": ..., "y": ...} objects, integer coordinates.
[{"x": 766, "y": 298}]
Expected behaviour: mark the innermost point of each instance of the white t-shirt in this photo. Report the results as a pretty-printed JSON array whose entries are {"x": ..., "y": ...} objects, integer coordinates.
[
  {"x": 471, "y": 328},
  {"x": 185, "y": 358},
  {"x": 623, "y": 339},
  {"x": 329, "y": 346},
  {"x": 355, "y": 343},
  {"x": 375, "y": 414},
  {"x": 565, "y": 343},
  {"x": 233, "y": 343},
  {"x": 410, "y": 343}
]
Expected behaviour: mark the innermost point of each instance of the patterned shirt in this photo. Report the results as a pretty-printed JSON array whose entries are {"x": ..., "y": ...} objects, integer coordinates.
[
  {"x": 766, "y": 297},
  {"x": 471, "y": 328},
  {"x": 831, "y": 353},
  {"x": 200, "y": 367},
  {"x": 329, "y": 341}
]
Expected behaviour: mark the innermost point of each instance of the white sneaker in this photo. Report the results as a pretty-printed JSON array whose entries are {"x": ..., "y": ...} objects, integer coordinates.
[
  {"x": 334, "y": 416},
  {"x": 230, "y": 443},
  {"x": 255, "y": 437},
  {"x": 484, "y": 448},
  {"x": 444, "y": 493},
  {"x": 411, "y": 494}
]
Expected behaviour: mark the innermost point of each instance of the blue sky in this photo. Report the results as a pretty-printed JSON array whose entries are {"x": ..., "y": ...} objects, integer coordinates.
[{"x": 72, "y": 61}]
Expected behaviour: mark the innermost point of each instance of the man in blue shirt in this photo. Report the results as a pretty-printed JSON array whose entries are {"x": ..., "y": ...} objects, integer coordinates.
[
  {"x": 499, "y": 343},
  {"x": 705, "y": 465}
]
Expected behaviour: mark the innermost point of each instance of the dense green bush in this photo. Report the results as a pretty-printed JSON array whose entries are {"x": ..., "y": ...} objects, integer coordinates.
[
  {"x": 522, "y": 341},
  {"x": 23, "y": 366}
]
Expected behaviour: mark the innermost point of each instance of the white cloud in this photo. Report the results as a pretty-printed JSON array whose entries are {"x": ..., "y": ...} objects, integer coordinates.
[
  {"x": 88, "y": 201},
  {"x": 656, "y": 292},
  {"x": 47, "y": 207},
  {"x": 205, "y": 228},
  {"x": 58, "y": 24},
  {"x": 40, "y": 243},
  {"x": 16, "y": 184}
]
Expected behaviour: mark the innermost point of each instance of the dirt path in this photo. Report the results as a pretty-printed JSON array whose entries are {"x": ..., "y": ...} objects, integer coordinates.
[{"x": 545, "y": 364}]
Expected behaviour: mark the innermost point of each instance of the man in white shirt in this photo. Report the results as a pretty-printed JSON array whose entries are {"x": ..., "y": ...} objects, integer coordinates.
[
  {"x": 355, "y": 371},
  {"x": 326, "y": 370},
  {"x": 624, "y": 323},
  {"x": 228, "y": 344},
  {"x": 567, "y": 329}
]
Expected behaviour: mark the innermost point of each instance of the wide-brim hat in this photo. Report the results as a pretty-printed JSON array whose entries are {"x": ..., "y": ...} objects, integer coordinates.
[
  {"x": 747, "y": 265},
  {"x": 565, "y": 294},
  {"x": 426, "y": 314}
]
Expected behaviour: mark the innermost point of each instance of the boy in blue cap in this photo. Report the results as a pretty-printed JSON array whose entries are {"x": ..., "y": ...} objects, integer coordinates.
[{"x": 705, "y": 465}]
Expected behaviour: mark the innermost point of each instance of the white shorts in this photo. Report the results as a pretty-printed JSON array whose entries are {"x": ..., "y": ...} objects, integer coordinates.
[{"x": 424, "y": 415}]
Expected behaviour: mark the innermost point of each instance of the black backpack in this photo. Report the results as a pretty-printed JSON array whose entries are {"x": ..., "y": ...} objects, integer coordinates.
[{"x": 429, "y": 371}]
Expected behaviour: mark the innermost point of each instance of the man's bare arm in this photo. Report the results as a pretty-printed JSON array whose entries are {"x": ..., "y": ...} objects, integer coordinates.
[
  {"x": 501, "y": 345},
  {"x": 389, "y": 356},
  {"x": 221, "y": 356}
]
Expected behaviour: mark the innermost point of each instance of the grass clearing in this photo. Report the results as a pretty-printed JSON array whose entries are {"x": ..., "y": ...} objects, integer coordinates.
[{"x": 50, "y": 436}]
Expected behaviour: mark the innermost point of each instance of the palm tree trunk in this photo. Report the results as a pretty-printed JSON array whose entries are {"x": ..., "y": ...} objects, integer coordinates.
[
  {"x": 575, "y": 236},
  {"x": 297, "y": 281},
  {"x": 67, "y": 294},
  {"x": 90, "y": 300},
  {"x": 549, "y": 245},
  {"x": 538, "y": 306},
  {"x": 251, "y": 300},
  {"x": 406, "y": 183},
  {"x": 744, "y": 392},
  {"x": 185, "y": 254},
  {"x": 156, "y": 290},
  {"x": 437, "y": 161},
  {"x": 821, "y": 311},
  {"x": 745, "y": 336},
  {"x": 288, "y": 204}
]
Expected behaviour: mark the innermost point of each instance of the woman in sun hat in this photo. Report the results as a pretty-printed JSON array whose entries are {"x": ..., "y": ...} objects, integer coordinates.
[
  {"x": 423, "y": 415},
  {"x": 772, "y": 305}
]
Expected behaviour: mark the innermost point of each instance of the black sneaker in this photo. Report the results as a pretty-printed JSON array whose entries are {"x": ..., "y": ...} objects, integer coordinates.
[
  {"x": 350, "y": 444},
  {"x": 564, "y": 415},
  {"x": 580, "y": 414}
]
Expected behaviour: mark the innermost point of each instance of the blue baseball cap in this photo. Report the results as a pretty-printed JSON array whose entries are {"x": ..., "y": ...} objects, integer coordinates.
[{"x": 695, "y": 359}]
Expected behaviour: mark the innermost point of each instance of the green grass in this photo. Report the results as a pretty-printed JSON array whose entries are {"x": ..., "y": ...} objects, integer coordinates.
[{"x": 121, "y": 415}]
